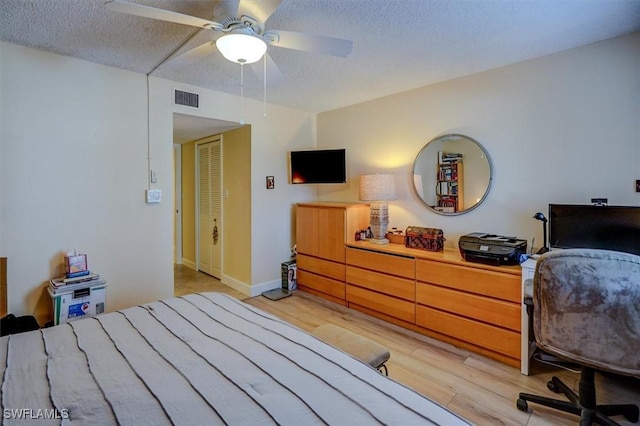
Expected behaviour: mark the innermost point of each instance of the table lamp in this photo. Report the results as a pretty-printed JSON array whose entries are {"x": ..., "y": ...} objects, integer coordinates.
[
  {"x": 539, "y": 216},
  {"x": 378, "y": 188}
]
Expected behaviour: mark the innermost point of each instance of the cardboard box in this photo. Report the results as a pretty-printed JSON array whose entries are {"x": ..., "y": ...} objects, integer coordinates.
[
  {"x": 78, "y": 303},
  {"x": 75, "y": 264},
  {"x": 289, "y": 270}
]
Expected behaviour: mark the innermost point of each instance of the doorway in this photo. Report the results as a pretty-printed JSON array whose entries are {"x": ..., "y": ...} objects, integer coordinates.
[{"x": 235, "y": 174}]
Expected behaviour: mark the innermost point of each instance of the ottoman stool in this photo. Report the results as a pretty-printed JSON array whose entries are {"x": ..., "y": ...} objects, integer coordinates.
[{"x": 358, "y": 346}]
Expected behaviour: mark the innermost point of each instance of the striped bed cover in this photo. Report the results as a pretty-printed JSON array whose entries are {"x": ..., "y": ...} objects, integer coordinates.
[{"x": 201, "y": 359}]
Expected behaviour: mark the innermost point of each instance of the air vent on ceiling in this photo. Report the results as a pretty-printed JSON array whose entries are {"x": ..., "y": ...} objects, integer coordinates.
[{"x": 186, "y": 98}]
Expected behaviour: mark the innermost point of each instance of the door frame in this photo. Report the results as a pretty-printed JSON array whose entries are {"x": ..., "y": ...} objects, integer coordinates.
[{"x": 177, "y": 203}]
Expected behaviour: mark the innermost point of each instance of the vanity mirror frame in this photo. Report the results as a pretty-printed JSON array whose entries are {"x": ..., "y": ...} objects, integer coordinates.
[{"x": 426, "y": 153}]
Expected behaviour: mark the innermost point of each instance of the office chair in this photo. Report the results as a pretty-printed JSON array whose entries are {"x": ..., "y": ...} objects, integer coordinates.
[{"x": 587, "y": 311}]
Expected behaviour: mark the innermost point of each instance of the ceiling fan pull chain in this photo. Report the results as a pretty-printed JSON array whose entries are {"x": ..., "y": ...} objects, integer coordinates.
[
  {"x": 264, "y": 84},
  {"x": 241, "y": 93}
]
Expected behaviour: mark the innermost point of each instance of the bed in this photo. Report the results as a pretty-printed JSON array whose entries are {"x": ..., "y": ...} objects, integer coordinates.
[{"x": 205, "y": 358}]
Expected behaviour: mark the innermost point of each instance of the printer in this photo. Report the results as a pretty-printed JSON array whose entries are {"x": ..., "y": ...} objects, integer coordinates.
[{"x": 491, "y": 249}]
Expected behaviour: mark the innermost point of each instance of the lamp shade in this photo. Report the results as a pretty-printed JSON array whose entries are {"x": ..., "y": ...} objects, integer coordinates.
[
  {"x": 241, "y": 48},
  {"x": 377, "y": 187}
]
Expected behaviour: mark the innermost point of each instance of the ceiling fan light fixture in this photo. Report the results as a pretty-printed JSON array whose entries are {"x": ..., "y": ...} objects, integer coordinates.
[{"x": 241, "y": 48}]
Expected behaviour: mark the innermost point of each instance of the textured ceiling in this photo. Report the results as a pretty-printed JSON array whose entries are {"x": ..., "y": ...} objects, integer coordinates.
[{"x": 399, "y": 45}]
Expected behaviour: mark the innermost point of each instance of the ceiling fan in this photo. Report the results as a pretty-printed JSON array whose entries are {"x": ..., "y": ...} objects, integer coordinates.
[{"x": 244, "y": 39}]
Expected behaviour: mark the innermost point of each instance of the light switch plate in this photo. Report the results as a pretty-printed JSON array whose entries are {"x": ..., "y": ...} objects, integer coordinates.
[{"x": 153, "y": 195}]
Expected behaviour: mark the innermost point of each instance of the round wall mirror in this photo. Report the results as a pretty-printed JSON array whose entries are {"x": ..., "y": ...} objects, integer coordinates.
[{"x": 452, "y": 174}]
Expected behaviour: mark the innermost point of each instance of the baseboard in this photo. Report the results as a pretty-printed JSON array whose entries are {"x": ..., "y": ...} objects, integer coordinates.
[
  {"x": 242, "y": 287},
  {"x": 258, "y": 289},
  {"x": 250, "y": 290}
]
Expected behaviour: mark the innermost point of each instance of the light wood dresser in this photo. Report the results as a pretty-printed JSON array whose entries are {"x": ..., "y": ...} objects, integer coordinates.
[{"x": 438, "y": 294}]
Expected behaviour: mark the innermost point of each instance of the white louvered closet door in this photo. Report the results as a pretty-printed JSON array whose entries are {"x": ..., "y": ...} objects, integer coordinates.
[{"x": 210, "y": 207}]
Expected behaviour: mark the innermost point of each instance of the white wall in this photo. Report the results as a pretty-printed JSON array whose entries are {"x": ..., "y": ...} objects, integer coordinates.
[
  {"x": 560, "y": 129},
  {"x": 73, "y": 175},
  {"x": 74, "y": 166}
]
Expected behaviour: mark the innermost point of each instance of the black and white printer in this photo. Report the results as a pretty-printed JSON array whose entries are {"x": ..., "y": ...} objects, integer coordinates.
[{"x": 491, "y": 249}]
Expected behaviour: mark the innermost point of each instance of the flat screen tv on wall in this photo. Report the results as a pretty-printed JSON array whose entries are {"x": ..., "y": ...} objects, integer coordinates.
[
  {"x": 589, "y": 226},
  {"x": 318, "y": 166}
]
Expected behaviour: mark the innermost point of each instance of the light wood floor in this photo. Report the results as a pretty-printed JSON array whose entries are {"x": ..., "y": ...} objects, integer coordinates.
[
  {"x": 187, "y": 281},
  {"x": 481, "y": 390}
]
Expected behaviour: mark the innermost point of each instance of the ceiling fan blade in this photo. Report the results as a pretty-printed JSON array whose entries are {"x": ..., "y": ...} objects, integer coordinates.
[
  {"x": 191, "y": 56},
  {"x": 258, "y": 9},
  {"x": 274, "y": 76},
  {"x": 161, "y": 14},
  {"x": 225, "y": 9},
  {"x": 309, "y": 43}
]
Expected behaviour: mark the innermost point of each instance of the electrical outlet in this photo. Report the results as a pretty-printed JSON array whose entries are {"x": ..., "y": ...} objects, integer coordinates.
[{"x": 153, "y": 195}]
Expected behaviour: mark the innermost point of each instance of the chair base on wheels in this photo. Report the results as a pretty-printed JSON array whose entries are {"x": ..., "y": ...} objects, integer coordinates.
[{"x": 582, "y": 404}]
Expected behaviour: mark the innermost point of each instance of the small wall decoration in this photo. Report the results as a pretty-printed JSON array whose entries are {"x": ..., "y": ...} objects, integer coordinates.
[{"x": 271, "y": 183}]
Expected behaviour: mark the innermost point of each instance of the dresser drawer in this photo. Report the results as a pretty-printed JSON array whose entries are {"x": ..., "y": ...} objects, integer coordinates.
[
  {"x": 387, "y": 284},
  {"x": 487, "y": 283},
  {"x": 388, "y": 305},
  {"x": 496, "y": 339},
  {"x": 322, "y": 284},
  {"x": 481, "y": 308},
  {"x": 384, "y": 263},
  {"x": 319, "y": 266}
]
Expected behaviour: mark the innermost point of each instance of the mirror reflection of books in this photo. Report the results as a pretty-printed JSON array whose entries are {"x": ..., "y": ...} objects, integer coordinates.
[{"x": 445, "y": 209}]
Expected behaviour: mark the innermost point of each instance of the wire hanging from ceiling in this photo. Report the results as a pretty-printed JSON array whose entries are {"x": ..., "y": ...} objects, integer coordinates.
[
  {"x": 241, "y": 93},
  {"x": 264, "y": 89},
  {"x": 264, "y": 83}
]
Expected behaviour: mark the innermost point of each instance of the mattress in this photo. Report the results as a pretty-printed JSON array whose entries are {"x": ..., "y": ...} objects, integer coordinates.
[{"x": 205, "y": 358}]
